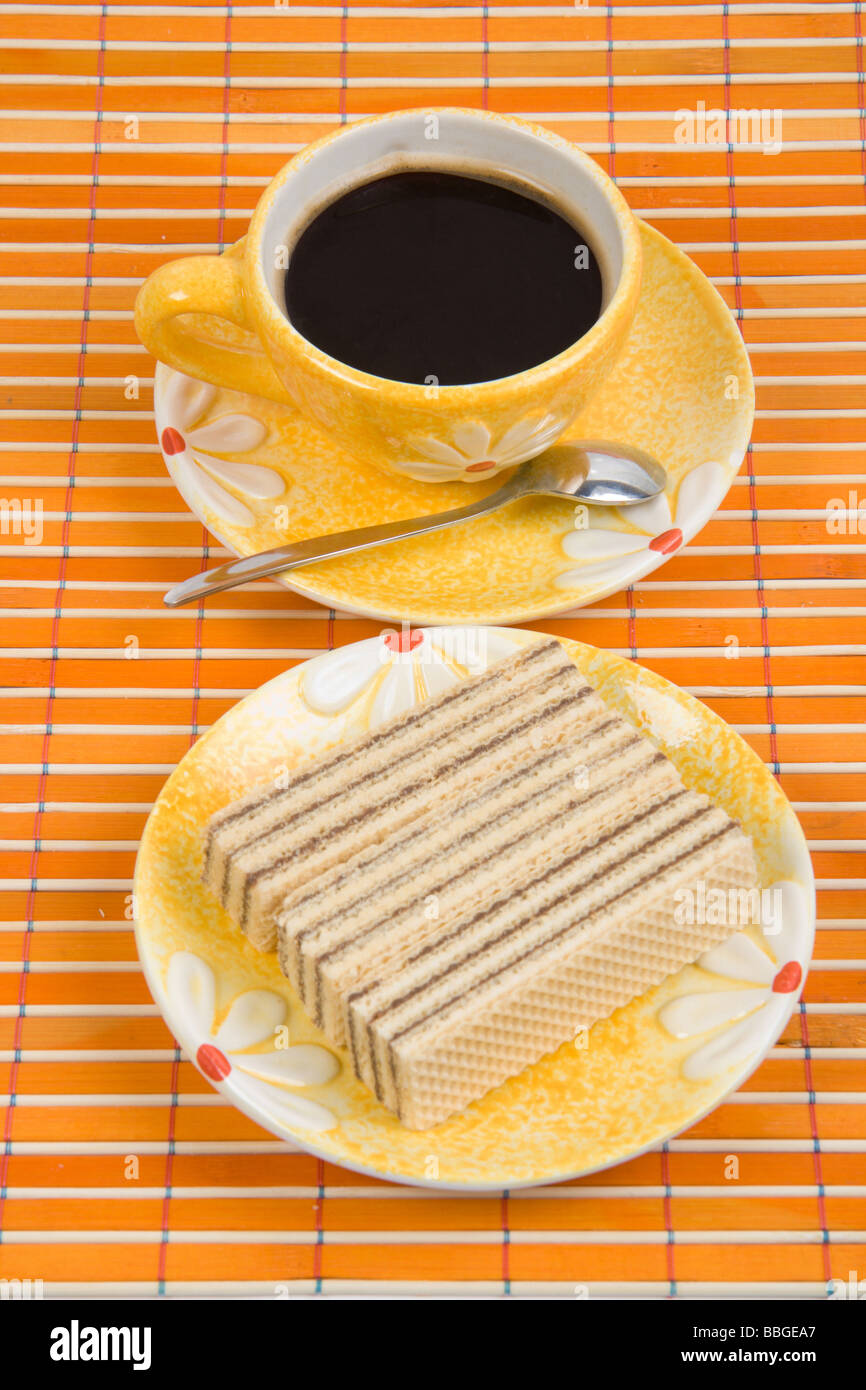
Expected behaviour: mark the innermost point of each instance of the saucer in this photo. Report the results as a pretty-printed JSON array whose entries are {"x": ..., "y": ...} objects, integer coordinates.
[
  {"x": 647, "y": 1072},
  {"x": 258, "y": 476}
]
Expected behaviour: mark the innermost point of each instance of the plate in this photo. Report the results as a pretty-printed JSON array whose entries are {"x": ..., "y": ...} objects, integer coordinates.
[
  {"x": 647, "y": 1072},
  {"x": 259, "y": 476}
]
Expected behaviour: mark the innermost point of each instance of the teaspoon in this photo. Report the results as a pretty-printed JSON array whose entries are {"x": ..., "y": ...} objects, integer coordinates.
[{"x": 594, "y": 472}]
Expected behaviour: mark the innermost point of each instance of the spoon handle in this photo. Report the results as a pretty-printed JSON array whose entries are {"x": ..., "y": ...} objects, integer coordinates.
[{"x": 289, "y": 557}]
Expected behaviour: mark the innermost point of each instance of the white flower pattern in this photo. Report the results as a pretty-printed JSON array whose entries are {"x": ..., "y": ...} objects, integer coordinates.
[
  {"x": 474, "y": 455},
  {"x": 253, "y": 1019},
  {"x": 742, "y": 1021},
  {"x": 187, "y": 440},
  {"x": 608, "y": 556},
  {"x": 404, "y": 667}
]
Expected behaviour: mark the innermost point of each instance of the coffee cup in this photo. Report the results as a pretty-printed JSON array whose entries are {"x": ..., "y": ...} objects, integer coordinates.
[{"x": 224, "y": 319}]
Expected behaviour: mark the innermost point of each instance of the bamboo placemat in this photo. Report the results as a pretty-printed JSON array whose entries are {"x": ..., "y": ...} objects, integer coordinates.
[{"x": 133, "y": 132}]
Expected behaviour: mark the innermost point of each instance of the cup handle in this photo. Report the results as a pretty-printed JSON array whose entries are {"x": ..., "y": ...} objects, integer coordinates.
[{"x": 211, "y": 285}]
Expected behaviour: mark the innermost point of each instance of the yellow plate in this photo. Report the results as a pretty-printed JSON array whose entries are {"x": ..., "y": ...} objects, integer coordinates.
[
  {"x": 647, "y": 1072},
  {"x": 259, "y": 476}
]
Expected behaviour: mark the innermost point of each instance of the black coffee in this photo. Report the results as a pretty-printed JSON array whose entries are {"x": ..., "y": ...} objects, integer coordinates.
[{"x": 440, "y": 278}]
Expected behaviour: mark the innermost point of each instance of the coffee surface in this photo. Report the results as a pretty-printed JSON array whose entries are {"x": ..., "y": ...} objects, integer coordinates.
[{"x": 440, "y": 278}]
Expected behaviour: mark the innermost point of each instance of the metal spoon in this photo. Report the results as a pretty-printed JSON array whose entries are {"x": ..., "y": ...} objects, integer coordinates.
[{"x": 601, "y": 474}]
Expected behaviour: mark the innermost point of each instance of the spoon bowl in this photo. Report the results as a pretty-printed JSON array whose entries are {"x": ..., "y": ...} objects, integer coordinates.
[{"x": 604, "y": 475}]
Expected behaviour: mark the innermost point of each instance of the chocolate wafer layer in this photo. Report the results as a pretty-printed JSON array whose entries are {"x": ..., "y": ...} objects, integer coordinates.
[
  {"x": 522, "y": 823},
  {"x": 605, "y": 915},
  {"x": 274, "y": 841}
]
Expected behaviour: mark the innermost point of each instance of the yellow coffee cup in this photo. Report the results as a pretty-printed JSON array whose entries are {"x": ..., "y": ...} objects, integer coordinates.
[{"x": 223, "y": 318}]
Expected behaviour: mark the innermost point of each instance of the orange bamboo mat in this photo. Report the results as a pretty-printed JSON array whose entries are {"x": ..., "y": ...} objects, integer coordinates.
[{"x": 132, "y": 132}]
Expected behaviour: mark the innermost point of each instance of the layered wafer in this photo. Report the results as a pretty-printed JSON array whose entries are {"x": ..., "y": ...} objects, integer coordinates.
[
  {"x": 278, "y": 838},
  {"x": 501, "y": 984},
  {"x": 343, "y": 929},
  {"x": 459, "y": 891}
]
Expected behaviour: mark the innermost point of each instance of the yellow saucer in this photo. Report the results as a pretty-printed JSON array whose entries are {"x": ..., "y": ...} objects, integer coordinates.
[
  {"x": 259, "y": 476},
  {"x": 645, "y": 1073}
]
